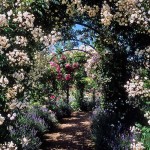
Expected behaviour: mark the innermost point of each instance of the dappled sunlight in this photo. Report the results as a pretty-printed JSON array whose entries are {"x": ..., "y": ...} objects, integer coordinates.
[
  {"x": 85, "y": 123},
  {"x": 66, "y": 126},
  {"x": 73, "y": 132},
  {"x": 55, "y": 136}
]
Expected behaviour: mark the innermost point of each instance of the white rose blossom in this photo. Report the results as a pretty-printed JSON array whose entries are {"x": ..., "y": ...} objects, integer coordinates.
[
  {"x": 4, "y": 43},
  {"x": 3, "y": 20},
  {"x": 106, "y": 15},
  {"x": 2, "y": 119},
  {"x": 4, "y": 81},
  {"x": 13, "y": 91},
  {"x": 25, "y": 141},
  {"x": 19, "y": 75},
  {"x": 137, "y": 146},
  {"x": 12, "y": 117}
]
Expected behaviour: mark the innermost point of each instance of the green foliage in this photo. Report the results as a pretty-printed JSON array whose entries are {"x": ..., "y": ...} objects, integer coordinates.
[
  {"x": 87, "y": 105},
  {"x": 145, "y": 135},
  {"x": 64, "y": 108},
  {"x": 75, "y": 105}
]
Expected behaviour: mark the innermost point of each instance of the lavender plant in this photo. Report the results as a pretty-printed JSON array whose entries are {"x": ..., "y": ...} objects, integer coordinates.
[
  {"x": 108, "y": 132},
  {"x": 48, "y": 116},
  {"x": 25, "y": 136},
  {"x": 33, "y": 119}
]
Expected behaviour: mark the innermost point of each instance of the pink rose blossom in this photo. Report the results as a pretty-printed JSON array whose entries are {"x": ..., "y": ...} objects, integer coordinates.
[
  {"x": 75, "y": 65},
  {"x": 59, "y": 76},
  {"x": 52, "y": 97},
  {"x": 67, "y": 66},
  {"x": 63, "y": 57},
  {"x": 67, "y": 77}
]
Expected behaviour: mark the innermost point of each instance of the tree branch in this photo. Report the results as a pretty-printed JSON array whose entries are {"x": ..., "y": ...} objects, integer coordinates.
[
  {"x": 78, "y": 50},
  {"x": 87, "y": 26}
]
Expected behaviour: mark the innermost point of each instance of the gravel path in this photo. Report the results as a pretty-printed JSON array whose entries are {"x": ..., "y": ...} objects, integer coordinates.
[{"x": 72, "y": 134}]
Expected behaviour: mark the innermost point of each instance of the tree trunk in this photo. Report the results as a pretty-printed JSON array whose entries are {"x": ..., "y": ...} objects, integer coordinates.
[{"x": 67, "y": 94}]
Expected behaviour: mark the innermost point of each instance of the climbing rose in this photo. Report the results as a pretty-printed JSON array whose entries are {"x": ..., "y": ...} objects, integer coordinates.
[
  {"x": 67, "y": 77},
  {"x": 75, "y": 65},
  {"x": 68, "y": 66},
  {"x": 59, "y": 76},
  {"x": 52, "y": 97},
  {"x": 52, "y": 63},
  {"x": 63, "y": 57},
  {"x": 58, "y": 68}
]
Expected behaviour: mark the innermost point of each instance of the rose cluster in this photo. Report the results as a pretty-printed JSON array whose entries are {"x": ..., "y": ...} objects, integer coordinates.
[
  {"x": 22, "y": 41},
  {"x": 77, "y": 8},
  {"x": 47, "y": 40},
  {"x": 19, "y": 75},
  {"x": 136, "y": 145},
  {"x": 25, "y": 19},
  {"x": 106, "y": 15},
  {"x": 93, "y": 59},
  {"x": 13, "y": 91},
  {"x": 132, "y": 11},
  {"x": 17, "y": 57},
  {"x": 3, "y": 20},
  {"x": 8, "y": 146},
  {"x": 135, "y": 87},
  {"x": 63, "y": 72}
]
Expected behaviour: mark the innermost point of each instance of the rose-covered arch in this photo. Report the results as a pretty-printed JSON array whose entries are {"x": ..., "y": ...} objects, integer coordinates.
[{"x": 121, "y": 35}]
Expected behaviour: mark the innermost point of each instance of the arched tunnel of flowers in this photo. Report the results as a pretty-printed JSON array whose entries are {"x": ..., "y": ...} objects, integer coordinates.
[{"x": 88, "y": 60}]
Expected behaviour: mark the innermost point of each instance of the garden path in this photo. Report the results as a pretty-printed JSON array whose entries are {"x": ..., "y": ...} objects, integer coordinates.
[{"x": 72, "y": 134}]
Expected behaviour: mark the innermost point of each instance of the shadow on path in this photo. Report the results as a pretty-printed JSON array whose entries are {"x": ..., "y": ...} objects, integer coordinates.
[{"x": 72, "y": 134}]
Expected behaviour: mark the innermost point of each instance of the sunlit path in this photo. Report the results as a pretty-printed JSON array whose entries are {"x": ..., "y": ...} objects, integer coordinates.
[{"x": 72, "y": 134}]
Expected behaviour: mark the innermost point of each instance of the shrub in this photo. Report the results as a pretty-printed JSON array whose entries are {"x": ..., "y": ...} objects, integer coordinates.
[
  {"x": 48, "y": 116},
  {"x": 83, "y": 103},
  {"x": 108, "y": 133},
  {"x": 87, "y": 105},
  {"x": 30, "y": 125},
  {"x": 63, "y": 109},
  {"x": 31, "y": 117},
  {"x": 75, "y": 105},
  {"x": 25, "y": 136}
]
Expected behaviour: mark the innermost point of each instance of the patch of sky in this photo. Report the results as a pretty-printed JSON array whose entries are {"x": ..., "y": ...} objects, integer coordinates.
[
  {"x": 79, "y": 42},
  {"x": 77, "y": 27}
]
